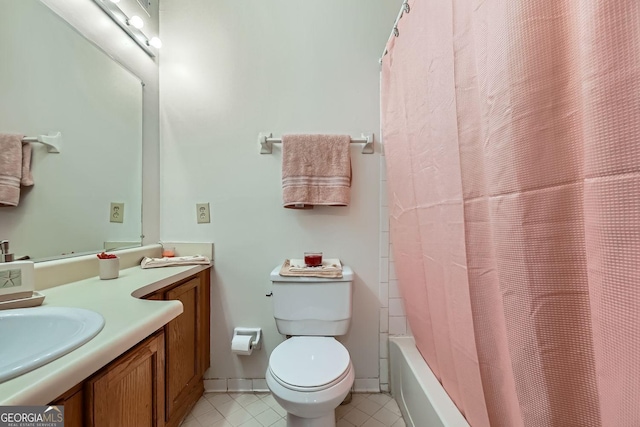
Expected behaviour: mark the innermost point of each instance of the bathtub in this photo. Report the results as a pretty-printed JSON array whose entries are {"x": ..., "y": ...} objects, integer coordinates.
[{"x": 420, "y": 396}]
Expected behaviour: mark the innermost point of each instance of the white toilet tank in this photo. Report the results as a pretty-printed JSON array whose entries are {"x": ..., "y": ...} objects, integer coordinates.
[{"x": 308, "y": 306}]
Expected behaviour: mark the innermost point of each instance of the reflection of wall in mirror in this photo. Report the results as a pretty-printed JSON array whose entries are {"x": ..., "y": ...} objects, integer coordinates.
[{"x": 53, "y": 79}]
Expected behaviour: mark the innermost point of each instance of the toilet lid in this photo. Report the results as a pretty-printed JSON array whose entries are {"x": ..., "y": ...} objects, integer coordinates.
[{"x": 309, "y": 361}]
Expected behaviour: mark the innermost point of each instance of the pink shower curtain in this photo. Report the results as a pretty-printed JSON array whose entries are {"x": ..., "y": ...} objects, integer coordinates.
[{"x": 511, "y": 131}]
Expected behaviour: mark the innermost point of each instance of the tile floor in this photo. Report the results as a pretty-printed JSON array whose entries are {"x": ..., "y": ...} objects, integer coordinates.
[{"x": 261, "y": 410}]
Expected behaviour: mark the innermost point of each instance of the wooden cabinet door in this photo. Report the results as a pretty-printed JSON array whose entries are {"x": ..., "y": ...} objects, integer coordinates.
[
  {"x": 73, "y": 406},
  {"x": 130, "y": 391},
  {"x": 183, "y": 360},
  {"x": 187, "y": 347}
]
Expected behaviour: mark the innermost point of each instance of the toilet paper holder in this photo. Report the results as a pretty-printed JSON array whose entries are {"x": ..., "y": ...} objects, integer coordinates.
[{"x": 256, "y": 333}]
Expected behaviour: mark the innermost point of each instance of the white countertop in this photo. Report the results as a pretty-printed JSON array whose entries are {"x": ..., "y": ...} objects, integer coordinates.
[{"x": 128, "y": 320}]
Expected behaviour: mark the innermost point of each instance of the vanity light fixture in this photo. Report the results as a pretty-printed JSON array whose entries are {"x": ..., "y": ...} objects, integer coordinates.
[
  {"x": 132, "y": 26},
  {"x": 136, "y": 21},
  {"x": 155, "y": 42}
]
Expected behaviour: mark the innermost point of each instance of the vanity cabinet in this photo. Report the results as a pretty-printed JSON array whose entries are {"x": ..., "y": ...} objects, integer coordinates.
[
  {"x": 187, "y": 346},
  {"x": 130, "y": 390},
  {"x": 157, "y": 382}
]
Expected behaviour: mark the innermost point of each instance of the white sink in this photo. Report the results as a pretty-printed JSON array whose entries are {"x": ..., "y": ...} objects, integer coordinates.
[{"x": 32, "y": 337}]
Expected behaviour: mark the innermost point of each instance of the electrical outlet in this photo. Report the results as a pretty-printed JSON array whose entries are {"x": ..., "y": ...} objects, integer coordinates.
[
  {"x": 116, "y": 213},
  {"x": 202, "y": 211}
]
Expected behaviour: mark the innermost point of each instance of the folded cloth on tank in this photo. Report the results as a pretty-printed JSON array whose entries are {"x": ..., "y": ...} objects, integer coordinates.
[
  {"x": 331, "y": 268},
  {"x": 179, "y": 260},
  {"x": 329, "y": 264}
]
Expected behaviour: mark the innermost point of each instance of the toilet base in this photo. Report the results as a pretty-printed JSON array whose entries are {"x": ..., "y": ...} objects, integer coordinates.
[{"x": 328, "y": 420}]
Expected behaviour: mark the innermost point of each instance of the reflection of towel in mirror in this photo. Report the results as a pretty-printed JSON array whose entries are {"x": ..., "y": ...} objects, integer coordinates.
[
  {"x": 15, "y": 168},
  {"x": 173, "y": 261}
]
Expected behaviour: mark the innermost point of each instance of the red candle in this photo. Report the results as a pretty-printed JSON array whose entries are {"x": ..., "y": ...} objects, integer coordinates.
[{"x": 313, "y": 259}]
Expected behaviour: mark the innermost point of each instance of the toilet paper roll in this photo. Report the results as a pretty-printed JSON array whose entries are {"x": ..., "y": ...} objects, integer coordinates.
[{"x": 241, "y": 345}]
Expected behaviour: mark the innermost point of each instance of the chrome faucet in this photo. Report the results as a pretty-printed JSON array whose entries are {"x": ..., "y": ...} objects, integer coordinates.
[{"x": 5, "y": 256}]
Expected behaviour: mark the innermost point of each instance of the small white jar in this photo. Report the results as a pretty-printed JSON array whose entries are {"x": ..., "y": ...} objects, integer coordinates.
[{"x": 109, "y": 268}]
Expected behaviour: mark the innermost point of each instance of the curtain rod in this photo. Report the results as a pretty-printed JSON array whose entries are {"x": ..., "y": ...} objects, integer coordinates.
[{"x": 394, "y": 31}]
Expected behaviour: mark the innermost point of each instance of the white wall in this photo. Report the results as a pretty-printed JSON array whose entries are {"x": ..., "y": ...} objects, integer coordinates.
[
  {"x": 393, "y": 319},
  {"x": 228, "y": 71}
]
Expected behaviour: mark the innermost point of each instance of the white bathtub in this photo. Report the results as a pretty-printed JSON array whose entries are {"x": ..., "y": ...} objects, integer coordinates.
[{"x": 421, "y": 398}]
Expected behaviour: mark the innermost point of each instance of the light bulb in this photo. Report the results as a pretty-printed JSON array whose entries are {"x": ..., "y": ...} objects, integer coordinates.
[
  {"x": 155, "y": 42},
  {"x": 136, "y": 21}
]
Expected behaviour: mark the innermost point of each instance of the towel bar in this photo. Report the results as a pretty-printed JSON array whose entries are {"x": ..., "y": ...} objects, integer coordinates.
[
  {"x": 53, "y": 141},
  {"x": 266, "y": 141}
]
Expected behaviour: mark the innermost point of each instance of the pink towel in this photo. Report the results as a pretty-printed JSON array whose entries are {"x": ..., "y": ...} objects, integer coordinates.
[
  {"x": 316, "y": 170},
  {"x": 15, "y": 168}
]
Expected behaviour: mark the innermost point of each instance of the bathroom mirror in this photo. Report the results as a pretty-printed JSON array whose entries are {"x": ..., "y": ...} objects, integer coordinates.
[{"x": 54, "y": 79}]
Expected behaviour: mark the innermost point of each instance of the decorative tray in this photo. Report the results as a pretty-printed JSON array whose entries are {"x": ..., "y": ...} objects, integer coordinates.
[{"x": 33, "y": 301}]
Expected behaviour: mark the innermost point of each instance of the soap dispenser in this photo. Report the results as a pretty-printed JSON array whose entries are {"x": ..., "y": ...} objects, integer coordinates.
[{"x": 5, "y": 256}]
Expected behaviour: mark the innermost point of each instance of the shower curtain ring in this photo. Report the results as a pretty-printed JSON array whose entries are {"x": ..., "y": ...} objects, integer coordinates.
[
  {"x": 407, "y": 9},
  {"x": 396, "y": 32}
]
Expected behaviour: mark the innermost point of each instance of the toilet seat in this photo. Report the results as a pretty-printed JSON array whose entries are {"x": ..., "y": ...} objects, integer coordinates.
[{"x": 309, "y": 363}]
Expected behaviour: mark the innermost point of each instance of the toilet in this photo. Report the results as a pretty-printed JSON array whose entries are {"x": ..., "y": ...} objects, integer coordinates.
[{"x": 311, "y": 373}]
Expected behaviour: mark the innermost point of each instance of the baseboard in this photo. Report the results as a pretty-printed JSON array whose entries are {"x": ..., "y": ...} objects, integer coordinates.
[{"x": 259, "y": 385}]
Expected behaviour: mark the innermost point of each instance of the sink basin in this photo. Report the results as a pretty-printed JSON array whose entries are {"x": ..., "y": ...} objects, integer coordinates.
[{"x": 32, "y": 337}]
